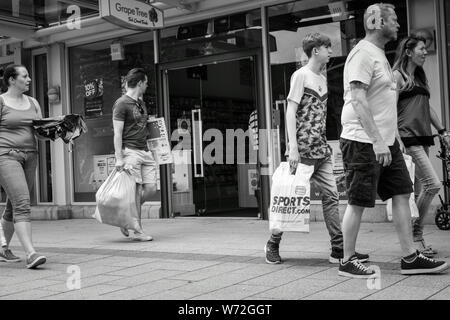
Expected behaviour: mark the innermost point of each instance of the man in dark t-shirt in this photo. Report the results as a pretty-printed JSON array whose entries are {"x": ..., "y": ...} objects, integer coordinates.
[{"x": 130, "y": 143}]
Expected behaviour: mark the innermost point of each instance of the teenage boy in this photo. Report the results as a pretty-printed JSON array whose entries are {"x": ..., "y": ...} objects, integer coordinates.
[{"x": 306, "y": 123}]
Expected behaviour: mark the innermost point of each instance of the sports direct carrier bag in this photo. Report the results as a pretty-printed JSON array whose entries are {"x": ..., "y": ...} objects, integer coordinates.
[{"x": 289, "y": 198}]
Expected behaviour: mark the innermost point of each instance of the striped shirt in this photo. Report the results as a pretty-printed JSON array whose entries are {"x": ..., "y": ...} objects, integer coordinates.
[{"x": 253, "y": 126}]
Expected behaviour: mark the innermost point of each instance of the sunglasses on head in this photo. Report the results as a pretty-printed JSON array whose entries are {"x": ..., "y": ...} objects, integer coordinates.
[
  {"x": 415, "y": 38},
  {"x": 139, "y": 106}
]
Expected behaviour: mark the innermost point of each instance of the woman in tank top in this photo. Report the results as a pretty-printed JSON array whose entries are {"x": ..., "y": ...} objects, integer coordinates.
[
  {"x": 415, "y": 117},
  {"x": 18, "y": 160}
]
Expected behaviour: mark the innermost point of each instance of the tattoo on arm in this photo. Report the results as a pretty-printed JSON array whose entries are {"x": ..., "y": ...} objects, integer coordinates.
[{"x": 362, "y": 110}]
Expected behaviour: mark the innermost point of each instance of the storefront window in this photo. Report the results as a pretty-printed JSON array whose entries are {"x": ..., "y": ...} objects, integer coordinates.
[
  {"x": 97, "y": 79},
  {"x": 24, "y": 12},
  {"x": 46, "y": 13},
  {"x": 225, "y": 34},
  {"x": 64, "y": 11},
  {"x": 447, "y": 32}
]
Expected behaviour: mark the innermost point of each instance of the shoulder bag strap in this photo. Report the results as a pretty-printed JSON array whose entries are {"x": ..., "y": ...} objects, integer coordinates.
[
  {"x": 34, "y": 104},
  {"x": 1, "y": 107}
]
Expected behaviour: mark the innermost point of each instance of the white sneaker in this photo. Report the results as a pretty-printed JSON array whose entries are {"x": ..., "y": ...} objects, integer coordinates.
[{"x": 141, "y": 237}]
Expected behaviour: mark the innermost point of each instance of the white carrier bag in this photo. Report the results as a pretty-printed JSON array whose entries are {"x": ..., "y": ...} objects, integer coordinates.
[
  {"x": 412, "y": 202},
  {"x": 3, "y": 243},
  {"x": 290, "y": 198}
]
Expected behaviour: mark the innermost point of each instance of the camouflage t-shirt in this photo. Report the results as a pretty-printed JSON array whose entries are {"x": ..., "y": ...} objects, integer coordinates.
[{"x": 309, "y": 91}]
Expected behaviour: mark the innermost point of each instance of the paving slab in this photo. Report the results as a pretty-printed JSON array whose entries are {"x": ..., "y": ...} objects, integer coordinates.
[
  {"x": 444, "y": 294},
  {"x": 335, "y": 295},
  {"x": 402, "y": 293},
  {"x": 90, "y": 293},
  {"x": 297, "y": 289},
  {"x": 144, "y": 289},
  {"x": 206, "y": 258},
  {"x": 235, "y": 292}
]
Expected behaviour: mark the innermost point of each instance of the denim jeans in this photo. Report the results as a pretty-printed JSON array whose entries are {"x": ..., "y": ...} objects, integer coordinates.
[
  {"x": 17, "y": 173},
  {"x": 325, "y": 181},
  {"x": 427, "y": 185}
]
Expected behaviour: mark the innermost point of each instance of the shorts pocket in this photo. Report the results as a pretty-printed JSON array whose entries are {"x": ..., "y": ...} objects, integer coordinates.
[{"x": 361, "y": 181}]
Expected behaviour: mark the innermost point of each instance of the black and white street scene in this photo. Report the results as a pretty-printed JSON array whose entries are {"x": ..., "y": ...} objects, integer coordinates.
[{"x": 241, "y": 152}]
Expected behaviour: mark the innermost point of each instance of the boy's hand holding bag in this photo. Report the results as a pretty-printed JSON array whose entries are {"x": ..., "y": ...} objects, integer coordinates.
[{"x": 290, "y": 198}]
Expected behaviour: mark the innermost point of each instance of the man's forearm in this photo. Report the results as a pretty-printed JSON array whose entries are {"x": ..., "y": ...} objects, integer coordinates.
[
  {"x": 291, "y": 124},
  {"x": 118, "y": 147},
  {"x": 366, "y": 118}
]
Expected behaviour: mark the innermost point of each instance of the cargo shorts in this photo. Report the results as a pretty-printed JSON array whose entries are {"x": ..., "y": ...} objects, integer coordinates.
[
  {"x": 142, "y": 165},
  {"x": 365, "y": 177}
]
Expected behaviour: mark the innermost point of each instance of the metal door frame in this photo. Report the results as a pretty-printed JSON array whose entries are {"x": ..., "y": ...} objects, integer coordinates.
[
  {"x": 37, "y": 189},
  {"x": 162, "y": 72}
]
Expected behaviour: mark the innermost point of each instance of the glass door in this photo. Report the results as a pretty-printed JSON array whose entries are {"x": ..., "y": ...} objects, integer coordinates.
[
  {"x": 210, "y": 106},
  {"x": 44, "y": 182}
]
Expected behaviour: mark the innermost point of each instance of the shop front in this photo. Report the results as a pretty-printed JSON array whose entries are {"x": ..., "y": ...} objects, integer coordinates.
[
  {"x": 210, "y": 66},
  {"x": 211, "y": 75}
]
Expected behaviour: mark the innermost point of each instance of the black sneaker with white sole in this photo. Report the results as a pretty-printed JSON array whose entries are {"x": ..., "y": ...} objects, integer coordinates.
[
  {"x": 336, "y": 256},
  {"x": 422, "y": 265},
  {"x": 354, "y": 269},
  {"x": 272, "y": 251},
  {"x": 35, "y": 260}
]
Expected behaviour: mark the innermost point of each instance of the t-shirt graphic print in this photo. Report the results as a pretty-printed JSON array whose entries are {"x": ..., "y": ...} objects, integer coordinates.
[{"x": 309, "y": 91}]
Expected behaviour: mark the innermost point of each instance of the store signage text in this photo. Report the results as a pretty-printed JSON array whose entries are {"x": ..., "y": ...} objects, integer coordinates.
[
  {"x": 132, "y": 14},
  {"x": 74, "y": 21}
]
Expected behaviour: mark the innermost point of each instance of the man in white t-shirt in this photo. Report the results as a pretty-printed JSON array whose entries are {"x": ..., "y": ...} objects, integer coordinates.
[
  {"x": 371, "y": 150},
  {"x": 306, "y": 125}
]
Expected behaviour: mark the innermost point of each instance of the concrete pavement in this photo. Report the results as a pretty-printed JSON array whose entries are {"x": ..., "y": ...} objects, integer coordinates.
[{"x": 210, "y": 258}]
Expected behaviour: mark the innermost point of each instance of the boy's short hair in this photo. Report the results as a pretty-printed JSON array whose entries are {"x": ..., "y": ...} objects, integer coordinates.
[
  {"x": 315, "y": 40},
  {"x": 134, "y": 76}
]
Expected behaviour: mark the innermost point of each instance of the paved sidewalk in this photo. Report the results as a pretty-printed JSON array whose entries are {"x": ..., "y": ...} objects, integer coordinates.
[{"x": 211, "y": 258}]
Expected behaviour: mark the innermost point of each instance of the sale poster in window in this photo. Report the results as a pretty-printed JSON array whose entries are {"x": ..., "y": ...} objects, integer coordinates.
[{"x": 93, "y": 98}]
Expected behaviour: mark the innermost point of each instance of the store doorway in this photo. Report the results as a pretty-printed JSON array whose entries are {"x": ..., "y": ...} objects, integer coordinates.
[
  {"x": 44, "y": 183},
  {"x": 209, "y": 105}
]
